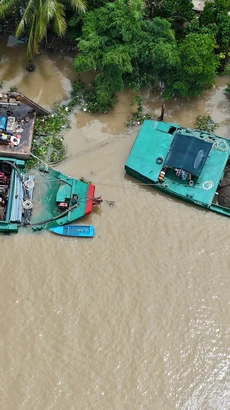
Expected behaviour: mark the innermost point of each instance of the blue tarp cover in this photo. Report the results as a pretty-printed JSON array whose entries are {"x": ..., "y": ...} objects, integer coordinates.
[
  {"x": 3, "y": 121},
  {"x": 188, "y": 153}
]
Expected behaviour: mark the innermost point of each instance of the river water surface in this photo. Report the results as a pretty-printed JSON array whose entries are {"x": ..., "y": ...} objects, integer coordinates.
[{"x": 138, "y": 317}]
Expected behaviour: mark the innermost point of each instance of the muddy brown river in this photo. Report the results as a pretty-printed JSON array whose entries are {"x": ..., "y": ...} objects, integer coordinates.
[{"x": 138, "y": 317}]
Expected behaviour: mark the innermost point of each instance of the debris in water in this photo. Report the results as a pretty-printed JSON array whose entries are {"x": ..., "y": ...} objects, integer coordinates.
[{"x": 110, "y": 203}]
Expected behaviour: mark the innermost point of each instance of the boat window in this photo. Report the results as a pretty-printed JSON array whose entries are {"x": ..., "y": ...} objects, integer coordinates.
[
  {"x": 198, "y": 159},
  {"x": 172, "y": 130}
]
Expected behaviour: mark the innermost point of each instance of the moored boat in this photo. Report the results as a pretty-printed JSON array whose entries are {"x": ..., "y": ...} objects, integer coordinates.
[
  {"x": 44, "y": 199},
  {"x": 84, "y": 231},
  {"x": 189, "y": 164}
]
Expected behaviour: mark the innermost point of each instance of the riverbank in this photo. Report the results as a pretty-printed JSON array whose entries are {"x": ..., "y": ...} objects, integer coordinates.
[{"x": 51, "y": 83}]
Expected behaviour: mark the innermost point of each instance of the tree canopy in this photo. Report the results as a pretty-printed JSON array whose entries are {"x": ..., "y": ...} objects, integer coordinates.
[
  {"x": 124, "y": 48},
  {"x": 197, "y": 69},
  {"x": 133, "y": 42},
  {"x": 36, "y": 15},
  {"x": 215, "y": 17}
]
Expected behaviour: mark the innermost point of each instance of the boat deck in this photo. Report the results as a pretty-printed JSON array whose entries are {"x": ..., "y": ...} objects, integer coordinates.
[
  {"x": 48, "y": 189},
  {"x": 21, "y": 151},
  {"x": 153, "y": 143},
  {"x": 18, "y": 111}
]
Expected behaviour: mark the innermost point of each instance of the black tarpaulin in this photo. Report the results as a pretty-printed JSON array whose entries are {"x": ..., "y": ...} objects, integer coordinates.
[{"x": 188, "y": 153}]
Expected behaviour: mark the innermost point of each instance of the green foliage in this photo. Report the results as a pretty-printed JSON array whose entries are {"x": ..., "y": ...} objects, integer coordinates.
[
  {"x": 227, "y": 88},
  {"x": 107, "y": 45},
  {"x": 99, "y": 100},
  {"x": 95, "y": 4},
  {"x": 197, "y": 68},
  {"x": 139, "y": 116},
  {"x": 1, "y": 84},
  {"x": 7, "y": 6},
  {"x": 36, "y": 18},
  {"x": 182, "y": 9},
  {"x": 227, "y": 69},
  {"x": 208, "y": 15},
  {"x": 194, "y": 26},
  {"x": 215, "y": 17},
  {"x": 49, "y": 149},
  {"x": 107, "y": 36},
  {"x": 57, "y": 155},
  {"x": 77, "y": 89},
  {"x": 223, "y": 33},
  {"x": 74, "y": 25},
  {"x": 82, "y": 179},
  {"x": 95, "y": 99},
  {"x": 47, "y": 144},
  {"x": 156, "y": 53},
  {"x": 54, "y": 123},
  {"x": 74, "y": 20},
  {"x": 77, "y": 94},
  {"x": 124, "y": 49},
  {"x": 13, "y": 89},
  {"x": 174, "y": 9},
  {"x": 206, "y": 124}
]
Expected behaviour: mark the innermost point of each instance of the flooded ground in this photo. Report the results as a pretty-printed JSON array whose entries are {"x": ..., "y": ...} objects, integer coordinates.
[{"x": 138, "y": 317}]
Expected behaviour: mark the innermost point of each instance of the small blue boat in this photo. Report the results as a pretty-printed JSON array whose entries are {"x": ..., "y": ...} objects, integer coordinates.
[{"x": 86, "y": 231}]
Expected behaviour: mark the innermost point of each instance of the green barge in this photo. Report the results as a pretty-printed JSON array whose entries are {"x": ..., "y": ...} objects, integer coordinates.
[
  {"x": 42, "y": 200},
  {"x": 189, "y": 164}
]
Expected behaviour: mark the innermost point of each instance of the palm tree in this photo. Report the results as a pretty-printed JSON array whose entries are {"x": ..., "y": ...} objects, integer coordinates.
[{"x": 36, "y": 17}]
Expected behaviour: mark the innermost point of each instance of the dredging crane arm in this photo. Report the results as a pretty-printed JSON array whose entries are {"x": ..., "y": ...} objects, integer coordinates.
[{"x": 25, "y": 100}]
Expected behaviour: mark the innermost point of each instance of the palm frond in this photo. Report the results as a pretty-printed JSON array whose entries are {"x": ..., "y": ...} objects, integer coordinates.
[
  {"x": 57, "y": 14},
  {"x": 32, "y": 45},
  {"x": 49, "y": 9},
  {"x": 28, "y": 17},
  {"x": 79, "y": 5},
  {"x": 38, "y": 15},
  {"x": 7, "y": 5},
  {"x": 42, "y": 21}
]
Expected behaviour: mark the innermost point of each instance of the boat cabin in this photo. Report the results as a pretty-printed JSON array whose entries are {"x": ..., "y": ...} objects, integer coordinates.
[{"x": 186, "y": 157}]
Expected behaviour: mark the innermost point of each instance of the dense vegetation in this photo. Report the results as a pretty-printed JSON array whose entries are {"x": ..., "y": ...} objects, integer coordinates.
[{"x": 132, "y": 42}]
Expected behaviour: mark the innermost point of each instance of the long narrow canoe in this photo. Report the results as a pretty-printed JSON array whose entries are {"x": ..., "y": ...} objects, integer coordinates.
[{"x": 74, "y": 230}]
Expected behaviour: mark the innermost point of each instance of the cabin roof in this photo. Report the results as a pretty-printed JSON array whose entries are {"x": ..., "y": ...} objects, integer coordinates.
[{"x": 188, "y": 153}]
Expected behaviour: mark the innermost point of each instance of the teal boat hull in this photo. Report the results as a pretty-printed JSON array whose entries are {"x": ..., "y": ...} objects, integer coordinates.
[
  {"x": 54, "y": 190},
  {"x": 82, "y": 231},
  {"x": 149, "y": 157},
  {"x": 42, "y": 200}
]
